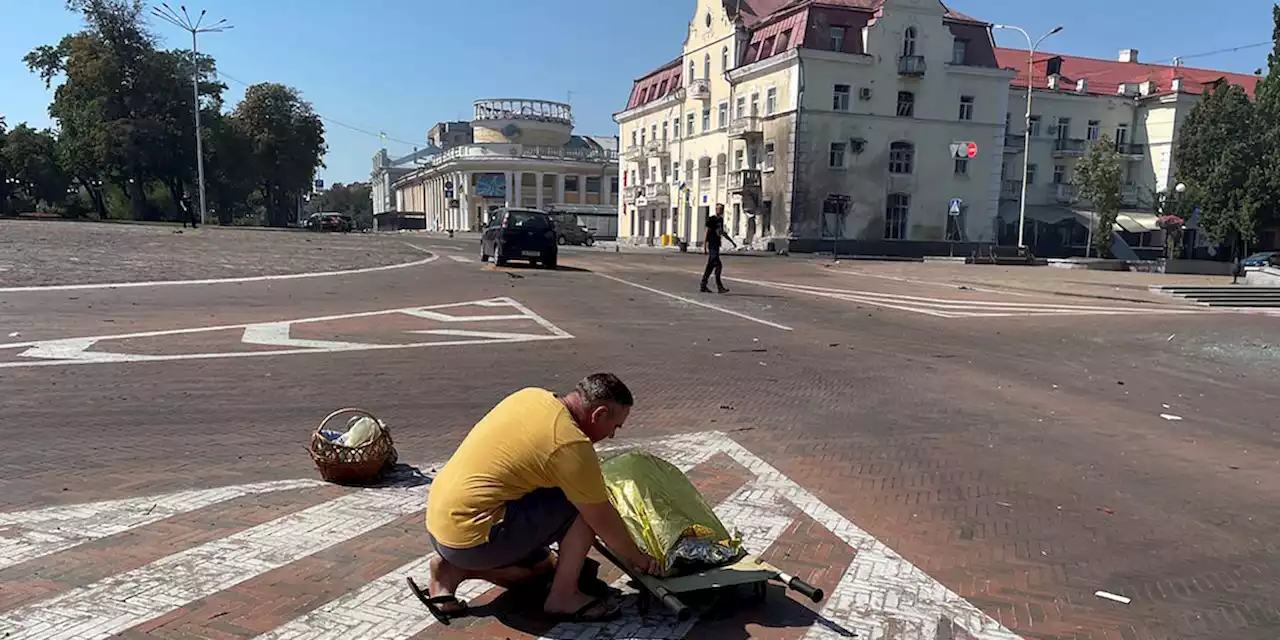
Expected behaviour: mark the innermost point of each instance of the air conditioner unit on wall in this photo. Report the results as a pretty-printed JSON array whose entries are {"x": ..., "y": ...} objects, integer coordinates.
[
  {"x": 864, "y": 93},
  {"x": 857, "y": 145}
]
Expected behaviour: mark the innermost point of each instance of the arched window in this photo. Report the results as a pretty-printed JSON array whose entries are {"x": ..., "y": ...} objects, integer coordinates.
[
  {"x": 706, "y": 66},
  {"x": 895, "y": 216},
  {"x": 909, "y": 42},
  {"x": 724, "y": 59},
  {"x": 692, "y": 72},
  {"x": 902, "y": 156}
]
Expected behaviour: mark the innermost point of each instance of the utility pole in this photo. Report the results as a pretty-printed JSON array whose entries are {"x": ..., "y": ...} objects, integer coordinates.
[{"x": 194, "y": 27}]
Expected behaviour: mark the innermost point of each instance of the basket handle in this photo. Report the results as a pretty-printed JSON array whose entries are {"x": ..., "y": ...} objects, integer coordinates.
[{"x": 355, "y": 410}]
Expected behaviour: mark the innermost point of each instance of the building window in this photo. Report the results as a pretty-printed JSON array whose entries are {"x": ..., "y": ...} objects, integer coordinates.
[
  {"x": 962, "y": 166},
  {"x": 675, "y": 128},
  {"x": 662, "y": 88},
  {"x": 665, "y": 129},
  {"x": 895, "y": 216},
  {"x": 633, "y": 178},
  {"x": 909, "y": 42},
  {"x": 613, "y": 185},
  {"x": 675, "y": 172},
  {"x": 1064, "y": 128},
  {"x": 740, "y": 107},
  {"x": 902, "y": 157},
  {"x": 1095, "y": 129},
  {"x": 783, "y": 41},
  {"x": 644, "y": 95},
  {"x": 906, "y": 104},
  {"x": 691, "y": 73},
  {"x": 840, "y": 97},
  {"x": 835, "y": 39},
  {"x": 1034, "y": 129},
  {"x": 753, "y": 157},
  {"x": 722, "y": 115},
  {"x": 706, "y": 66},
  {"x": 706, "y": 119},
  {"x": 653, "y": 175},
  {"x": 690, "y": 120},
  {"x": 634, "y": 133},
  {"x": 770, "y": 101},
  {"x": 834, "y": 209},
  {"x": 642, "y": 136},
  {"x": 1122, "y": 135},
  {"x": 1031, "y": 174},
  {"x": 571, "y": 184},
  {"x": 1059, "y": 173},
  {"x": 593, "y": 184},
  {"x": 724, "y": 59},
  {"x": 738, "y": 159},
  {"x": 959, "y": 49},
  {"x": 653, "y": 132},
  {"x": 768, "y": 156},
  {"x": 966, "y": 107},
  {"x": 755, "y": 104},
  {"x": 836, "y": 158},
  {"x": 766, "y": 49}
]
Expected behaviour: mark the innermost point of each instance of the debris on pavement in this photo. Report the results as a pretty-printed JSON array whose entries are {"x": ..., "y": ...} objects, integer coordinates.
[
  {"x": 1170, "y": 417},
  {"x": 1170, "y": 338},
  {"x": 1105, "y": 595},
  {"x": 1107, "y": 510},
  {"x": 1005, "y": 504},
  {"x": 15, "y": 334}
]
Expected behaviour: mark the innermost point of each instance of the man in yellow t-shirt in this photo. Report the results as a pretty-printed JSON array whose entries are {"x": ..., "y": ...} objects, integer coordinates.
[{"x": 525, "y": 477}]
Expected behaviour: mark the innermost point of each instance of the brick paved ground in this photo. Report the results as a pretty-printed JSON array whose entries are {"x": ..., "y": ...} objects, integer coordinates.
[
  {"x": 51, "y": 252},
  {"x": 1020, "y": 461}
]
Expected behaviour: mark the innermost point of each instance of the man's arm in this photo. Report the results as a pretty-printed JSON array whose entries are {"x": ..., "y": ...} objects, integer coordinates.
[
  {"x": 726, "y": 236},
  {"x": 604, "y": 520}
]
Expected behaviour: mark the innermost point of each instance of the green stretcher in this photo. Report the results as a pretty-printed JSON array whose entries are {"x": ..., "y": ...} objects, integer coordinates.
[{"x": 748, "y": 571}]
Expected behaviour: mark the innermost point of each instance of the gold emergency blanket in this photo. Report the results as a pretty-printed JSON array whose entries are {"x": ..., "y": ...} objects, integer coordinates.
[{"x": 665, "y": 514}]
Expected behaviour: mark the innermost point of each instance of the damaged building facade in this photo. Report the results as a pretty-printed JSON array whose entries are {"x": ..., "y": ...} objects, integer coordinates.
[{"x": 819, "y": 124}]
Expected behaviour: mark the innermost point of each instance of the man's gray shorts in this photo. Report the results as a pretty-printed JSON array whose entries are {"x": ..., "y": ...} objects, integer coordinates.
[{"x": 530, "y": 525}]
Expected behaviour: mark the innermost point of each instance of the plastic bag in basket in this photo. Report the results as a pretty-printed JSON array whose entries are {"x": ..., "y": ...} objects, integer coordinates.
[{"x": 665, "y": 514}]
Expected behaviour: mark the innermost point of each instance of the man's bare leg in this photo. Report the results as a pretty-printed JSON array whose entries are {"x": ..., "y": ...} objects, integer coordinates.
[
  {"x": 565, "y": 597},
  {"x": 446, "y": 578}
]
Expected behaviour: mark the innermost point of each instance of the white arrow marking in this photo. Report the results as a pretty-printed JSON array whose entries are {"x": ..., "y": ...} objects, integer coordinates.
[
  {"x": 72, "y": 349},
  {"x": 444, "y": 317},
  {"x": 276, "y": 334}
]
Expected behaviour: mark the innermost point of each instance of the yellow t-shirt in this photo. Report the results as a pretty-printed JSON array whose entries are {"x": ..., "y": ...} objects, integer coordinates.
[{"x": 529, "y": 441}]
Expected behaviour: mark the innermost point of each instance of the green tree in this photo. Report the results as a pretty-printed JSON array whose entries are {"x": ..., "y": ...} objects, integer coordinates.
[
  {"x": 1099, "y": 176},
  {"x": 287, "y": 141},
  {"x": 1265, "y": 185},
  {"x": 352, "y": 199},
  {"x": 31, "y": 157},
  {"x": 1217, "y": 154}
]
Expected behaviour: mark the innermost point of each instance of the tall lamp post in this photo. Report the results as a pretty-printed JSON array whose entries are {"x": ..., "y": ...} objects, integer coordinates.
[
  {"x": 1026, "y": 150},
  {"x": 194, "y": 27}
]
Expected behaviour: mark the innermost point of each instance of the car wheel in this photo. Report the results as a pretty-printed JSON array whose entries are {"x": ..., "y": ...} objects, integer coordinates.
[
  {"x": 484, "y": 257},
  {"x": 589, "y": 241},
  {"x": 549, "y": 263},
  {"x": 560, "y": 240}
]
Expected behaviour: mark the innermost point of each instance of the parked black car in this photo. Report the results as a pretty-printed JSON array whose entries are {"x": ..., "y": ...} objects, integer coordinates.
[
  {"x": 573, "y": 233},
  {"x": 520, "y": 234},
  {"x": 327, "y": 221}
]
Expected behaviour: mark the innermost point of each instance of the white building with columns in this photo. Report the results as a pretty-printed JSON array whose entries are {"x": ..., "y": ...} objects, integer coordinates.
[{"x": 523, "y": 153}]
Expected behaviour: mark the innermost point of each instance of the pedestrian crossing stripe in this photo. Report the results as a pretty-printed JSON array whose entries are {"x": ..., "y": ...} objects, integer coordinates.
[{"x": 879, "y": 593}]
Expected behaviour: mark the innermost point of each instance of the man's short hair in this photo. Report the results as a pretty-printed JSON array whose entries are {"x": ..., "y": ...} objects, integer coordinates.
[{"x": 599, "y": 388}]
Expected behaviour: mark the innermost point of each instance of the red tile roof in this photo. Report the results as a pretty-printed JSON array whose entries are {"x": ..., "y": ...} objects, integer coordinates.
[
  {"x": 1105, "y": 76},
  {"x": 658, "y": 83}
]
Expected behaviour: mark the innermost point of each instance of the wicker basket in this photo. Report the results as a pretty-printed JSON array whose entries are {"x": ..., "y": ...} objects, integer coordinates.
[{"x": 362, "y": 465}]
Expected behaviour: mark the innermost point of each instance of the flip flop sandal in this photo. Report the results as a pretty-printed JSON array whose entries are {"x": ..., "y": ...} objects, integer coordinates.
[
  {"x": 433, "y": 604},
  {"x": 610, "y": 611}
]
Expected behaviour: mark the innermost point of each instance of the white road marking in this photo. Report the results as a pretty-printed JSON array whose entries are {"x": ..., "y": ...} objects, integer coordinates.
[
  {"x": 25, "y": 535},
  {"x": 112, "y": 605},
  {"x": 66, "y": 351},
  {"x": 460, "y": 259},
  {"x": 879, "y": 593},
  {"x": 699, "y": 303},
  {"x": 952, "y": 308},
  {"x": 172, "y": 283}
]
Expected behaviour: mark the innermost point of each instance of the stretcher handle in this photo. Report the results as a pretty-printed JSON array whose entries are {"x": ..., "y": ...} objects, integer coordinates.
[
  {"x": 800, "y": 586},
  {"x": 670, "y": 601}
]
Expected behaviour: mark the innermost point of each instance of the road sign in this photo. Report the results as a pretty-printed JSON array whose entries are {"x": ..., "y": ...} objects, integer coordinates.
[
  {"x": 319, "y": 184},
  {"x": 956, "y": 204},
  {"x": 964, "y": 149}
]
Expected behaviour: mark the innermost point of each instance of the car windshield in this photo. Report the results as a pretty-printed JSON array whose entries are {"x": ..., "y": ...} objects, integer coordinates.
[
  {"x": 1261, "y": 256},
  {"x": 528, "y": 220}
]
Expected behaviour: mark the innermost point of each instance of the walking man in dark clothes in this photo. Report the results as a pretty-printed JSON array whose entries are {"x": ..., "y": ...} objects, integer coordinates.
[{"x": 715, "y": 231}]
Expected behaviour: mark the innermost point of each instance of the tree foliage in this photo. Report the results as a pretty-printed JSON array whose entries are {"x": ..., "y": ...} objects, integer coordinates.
[
  {"x": 1099, "y": 176},
  {"x": 352, "y": 199},
  {"x": 125, "y": 124},
  {"x": 1217, "y": 157}
]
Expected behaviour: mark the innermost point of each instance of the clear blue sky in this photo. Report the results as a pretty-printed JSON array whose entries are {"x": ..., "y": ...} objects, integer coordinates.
[{"x": 399, "y": 66}]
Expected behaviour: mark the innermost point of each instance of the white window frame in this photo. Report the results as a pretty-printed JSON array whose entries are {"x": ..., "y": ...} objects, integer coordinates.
[
  {"x": 740, "y": 107},
  {"x": 836, "y": 36},
  {"x": 1030, "y": 177},
  {"x": 691, "y": 120},
  {"x": 755, "y": 103},
  {"x": 769, "y": 156},
  {"x": 902, "y": 160},
  {"x": 722, "y": 115},
  {"x": 835, "y": 155},
  {"x": 1094, "y": 131},
  {"x": 770, "y": 101},
  {"x": 1060, "y": 174},
  {"x": 959, "y": 50},
  {"x": 966, "y": 107},
  {"x": 1034, "y": 129},
  {"x": 895, "y": 226},
  {"x": 840, "y": 99},
  {"x": 706, "y": 118},
  {"x": 909, "y": 37},
  {"x": 675, "y": 128},
  {"x": 961, "y": 167}
]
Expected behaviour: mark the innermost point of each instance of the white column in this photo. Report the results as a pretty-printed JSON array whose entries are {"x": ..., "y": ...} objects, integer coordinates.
[
  {"x": 559, "y": 178},
  {"x": 582, "y": 189},
  {"x": 519, "y": 189},
  {"x": 512, "y": 200},
  {"x": 537, "y": 184},
  {"x": 606, "y": 187}
]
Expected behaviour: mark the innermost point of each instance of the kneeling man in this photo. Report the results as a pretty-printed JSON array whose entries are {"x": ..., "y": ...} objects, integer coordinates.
[{"x": 525, "y": 477}]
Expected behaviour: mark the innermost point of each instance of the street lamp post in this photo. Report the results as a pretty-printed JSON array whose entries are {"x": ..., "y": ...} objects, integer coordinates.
[
  {"x": 194, "y": 27},
  {"x": 1026, "y": 144}
]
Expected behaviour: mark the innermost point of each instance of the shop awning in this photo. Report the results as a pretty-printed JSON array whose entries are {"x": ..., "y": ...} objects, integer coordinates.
[
  {"x": 1039, "y": 213},
  {"x": 1126, "y": 221}
]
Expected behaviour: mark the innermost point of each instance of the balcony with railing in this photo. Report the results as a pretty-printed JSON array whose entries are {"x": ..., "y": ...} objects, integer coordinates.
[
  {"x": 746, "y": 128},
  {"x": 1014, "y": 143},
  {"x": 744, "y": 181},
  {"x": 700, "y": 89},
  {"x": 1069, "y": 147},
  {"x": 658, "y": 148},
  {"x": 704, "y": 184},
  {"x": 630, "y": 194},
  {"x": 1011, "y": 190},
  {"x": 911, "y": 66},
  {"x": 1130, "y": 194},
  {"x": 657, "y": 193},
  {"x": 633, "y": 153},
  {"x": 1066, "y": 193},
  {"x": 1131, "y": 151},
  {"x": 503, "y": 151}
]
